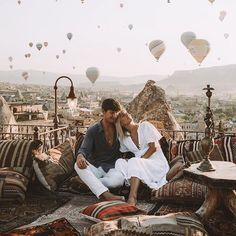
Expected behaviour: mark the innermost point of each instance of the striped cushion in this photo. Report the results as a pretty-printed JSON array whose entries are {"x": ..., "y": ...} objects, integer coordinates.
[
  {"x": 13, "y": 185},
  {"x": 233, "y": 140},
  {"x": 179, "y": 191},
  {"x": 110, "y": 210},
  {"x": 17, "y": 153},
  {"x": 226, "y": 148},
  {"x": 57, "y": 168}
]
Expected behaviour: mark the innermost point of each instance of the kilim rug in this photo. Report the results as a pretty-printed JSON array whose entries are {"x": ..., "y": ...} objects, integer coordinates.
[
  {"x": 58, "y": 227},
  {"x": 13, "y": 215}
]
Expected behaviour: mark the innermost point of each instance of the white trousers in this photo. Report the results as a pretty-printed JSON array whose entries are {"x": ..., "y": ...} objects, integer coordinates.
[{"x": 98, "y": 180}]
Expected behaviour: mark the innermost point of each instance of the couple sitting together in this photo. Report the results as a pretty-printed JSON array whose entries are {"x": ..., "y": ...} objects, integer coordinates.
[{"x": 99, "y": 159}]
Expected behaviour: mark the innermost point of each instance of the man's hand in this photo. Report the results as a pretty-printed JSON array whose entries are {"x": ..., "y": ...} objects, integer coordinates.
[{"x": 81, "y": 162}]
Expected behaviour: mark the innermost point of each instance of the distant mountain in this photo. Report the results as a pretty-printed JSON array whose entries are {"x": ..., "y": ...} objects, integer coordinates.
[
  {"x": 221, "y": 78},
  {"x": 49, "y": 78}
]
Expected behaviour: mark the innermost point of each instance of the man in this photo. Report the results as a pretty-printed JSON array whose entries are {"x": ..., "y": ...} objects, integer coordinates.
[{"x": 97, "y": 159}]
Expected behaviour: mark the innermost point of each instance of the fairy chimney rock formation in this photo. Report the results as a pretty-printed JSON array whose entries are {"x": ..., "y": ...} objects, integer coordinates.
[
  {"x": 6, "y": 116},
  {"x": 150, "y": 104}
]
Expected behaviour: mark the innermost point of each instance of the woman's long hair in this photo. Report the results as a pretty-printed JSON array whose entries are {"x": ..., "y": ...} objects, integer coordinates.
[{"x": 120, "y": 131}]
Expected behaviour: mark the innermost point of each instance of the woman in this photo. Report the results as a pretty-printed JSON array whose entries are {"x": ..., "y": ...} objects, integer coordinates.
[{"x": 149, "y": 164}]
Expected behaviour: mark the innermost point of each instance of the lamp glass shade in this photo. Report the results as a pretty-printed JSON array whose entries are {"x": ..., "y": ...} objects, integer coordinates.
[{"x": 72, "y": 103}]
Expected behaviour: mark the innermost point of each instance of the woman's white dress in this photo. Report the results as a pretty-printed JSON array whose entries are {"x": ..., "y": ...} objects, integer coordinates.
[{"x": 151, "y": 171}]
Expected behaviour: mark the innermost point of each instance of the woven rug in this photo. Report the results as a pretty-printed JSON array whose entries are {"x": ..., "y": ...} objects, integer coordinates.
[
  {"x": 36, "y": 204},
  {"x": 58, "y": 227}
]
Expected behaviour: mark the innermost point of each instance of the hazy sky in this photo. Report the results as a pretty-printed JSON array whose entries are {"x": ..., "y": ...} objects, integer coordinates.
[{"x": 50, "y": 20}]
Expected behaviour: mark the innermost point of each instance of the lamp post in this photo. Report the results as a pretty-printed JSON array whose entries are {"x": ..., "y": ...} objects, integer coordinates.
[{"x": 71, "y": 99}]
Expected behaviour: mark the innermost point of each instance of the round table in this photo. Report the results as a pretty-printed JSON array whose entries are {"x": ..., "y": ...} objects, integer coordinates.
[{"x": 221, "y": 185}]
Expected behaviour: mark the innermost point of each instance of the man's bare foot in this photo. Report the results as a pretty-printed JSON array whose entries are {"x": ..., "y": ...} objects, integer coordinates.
[
  {"x": 107, "y": 196},
  {"x": 132, "y": 201}
]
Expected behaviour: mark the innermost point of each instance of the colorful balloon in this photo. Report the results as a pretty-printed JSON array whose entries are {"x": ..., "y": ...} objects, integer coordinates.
[
  {"x": 10, "y": 59},
  {"x": 69, "y": 36},
  {"x": 157, "y": 48},
  {"x": 199, "y": 49},
  {"x": 187, "y": 37},
  {"x": 39, "y": 46},
  {"x": 118, "y": 49},
  {"x": 121, "y": 5},
  {"x": 25, "y": 75},
  {"x": 63, "y": 51},
  {"x": 45, "y": 44},
  {"x": 11, "y": 66},
  {"x": 19, "y": 2},
  {"x": 92, "y": 74},
  {"x": 211, "y": 1},
  {"x": 31, "y": 44},
  {"x": 57, "y": 56}
]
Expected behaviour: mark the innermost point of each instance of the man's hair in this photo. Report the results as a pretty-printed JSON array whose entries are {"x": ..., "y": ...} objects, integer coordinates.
[{"x": 111, "y": 104}]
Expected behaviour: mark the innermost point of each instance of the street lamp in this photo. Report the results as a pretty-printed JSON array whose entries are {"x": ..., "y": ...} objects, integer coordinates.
[{"x": 71, "y": 100}]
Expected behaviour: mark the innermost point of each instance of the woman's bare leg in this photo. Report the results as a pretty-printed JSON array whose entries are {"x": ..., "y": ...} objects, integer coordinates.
[{"x": 134, "y": 185}]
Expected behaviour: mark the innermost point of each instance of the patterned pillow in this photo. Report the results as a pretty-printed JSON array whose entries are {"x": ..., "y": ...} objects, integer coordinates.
[
  {"x": 13, "y": 185},
  {"x": 226, "y": 147},
  {"x": 110, "y": 210},
  {"x": 233, "y": 140},
  {"x": 172, "y": 224},
  {"x": 17, "y": 153},
  {"x": 197, "y": 156},
  {"x": 57, "y": 168},
  {"x": 179, "y": 191}
]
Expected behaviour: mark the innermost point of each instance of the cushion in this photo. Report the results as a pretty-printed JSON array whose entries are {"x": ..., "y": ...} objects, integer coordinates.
[
  {"x": 13, "y": 185},
  {"x": 55, "y": 169},
  {"x": 110, "y": 210},
  {"x": 179, "y": 191},
  {"x": 225, "y": 146},
  {"x": 176, "y": 168},
  {"x": 197, "y": 156},
  {"x": 17, "y": 153},
  {"x": 177, "y": 224},
  {"x": 233, "y": 140},
  {"x": 174, "y": 208},
  {"x": 57, "y": 227}
]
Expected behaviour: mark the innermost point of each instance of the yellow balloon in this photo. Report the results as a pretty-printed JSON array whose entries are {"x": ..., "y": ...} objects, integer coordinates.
[{"x": 199, "y": 49}]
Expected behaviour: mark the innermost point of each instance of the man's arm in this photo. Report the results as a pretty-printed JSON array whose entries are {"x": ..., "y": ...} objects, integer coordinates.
[{"x": 85, "y": 150}]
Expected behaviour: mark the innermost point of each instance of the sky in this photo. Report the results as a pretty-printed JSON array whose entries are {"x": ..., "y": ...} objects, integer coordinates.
[{"x": 99, "y": 27}]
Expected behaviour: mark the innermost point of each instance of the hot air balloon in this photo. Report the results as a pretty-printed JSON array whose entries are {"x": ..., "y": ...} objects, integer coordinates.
[
  {"x": 118, "y": 49},
  {"x": 99, "y": 26},
  {"x": 69, "y": 36},
  {"x": 187, "y": 37},
  {"x": 11, "y": 66},
  {"x": 226, "y": 35},
  {"x": 121, "y": 5},
  {"x": 45, "y": 44},
  {"x": 25, "y": 75},
  {"x": 26, "y": 55},
  {"x": 157, "y": 48},
  {"x": 63, "y": 51},
  {"x": 199, "y": 48},
  {"x": 57, "y": 56},
  {"x": 73, "y": 67},
  {"x": 19, "y": 2},
  {"x": 29, "y": 55},
  {"x": 82, "y": 1},
  {"x": 39, "y": 46},
  {"x": 10, "y": 59},
  {"x": 31, "y": 44},
  {"x": 211, "y": 1},
  {"x": 222, "y": 15},
  {"x": 130, "y": 26},
  {"x": 92, "y": 74}
]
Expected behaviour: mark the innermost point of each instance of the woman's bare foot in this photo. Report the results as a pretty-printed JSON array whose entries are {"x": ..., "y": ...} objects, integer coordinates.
[
  {"x": 132, "y": 201},
  {"x": 107, "y": 196}
]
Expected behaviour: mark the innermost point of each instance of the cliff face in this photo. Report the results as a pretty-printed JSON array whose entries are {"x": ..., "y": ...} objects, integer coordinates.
[
  {"x": 6, "y": 117},
  {"x": 150, "y": 104}
]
